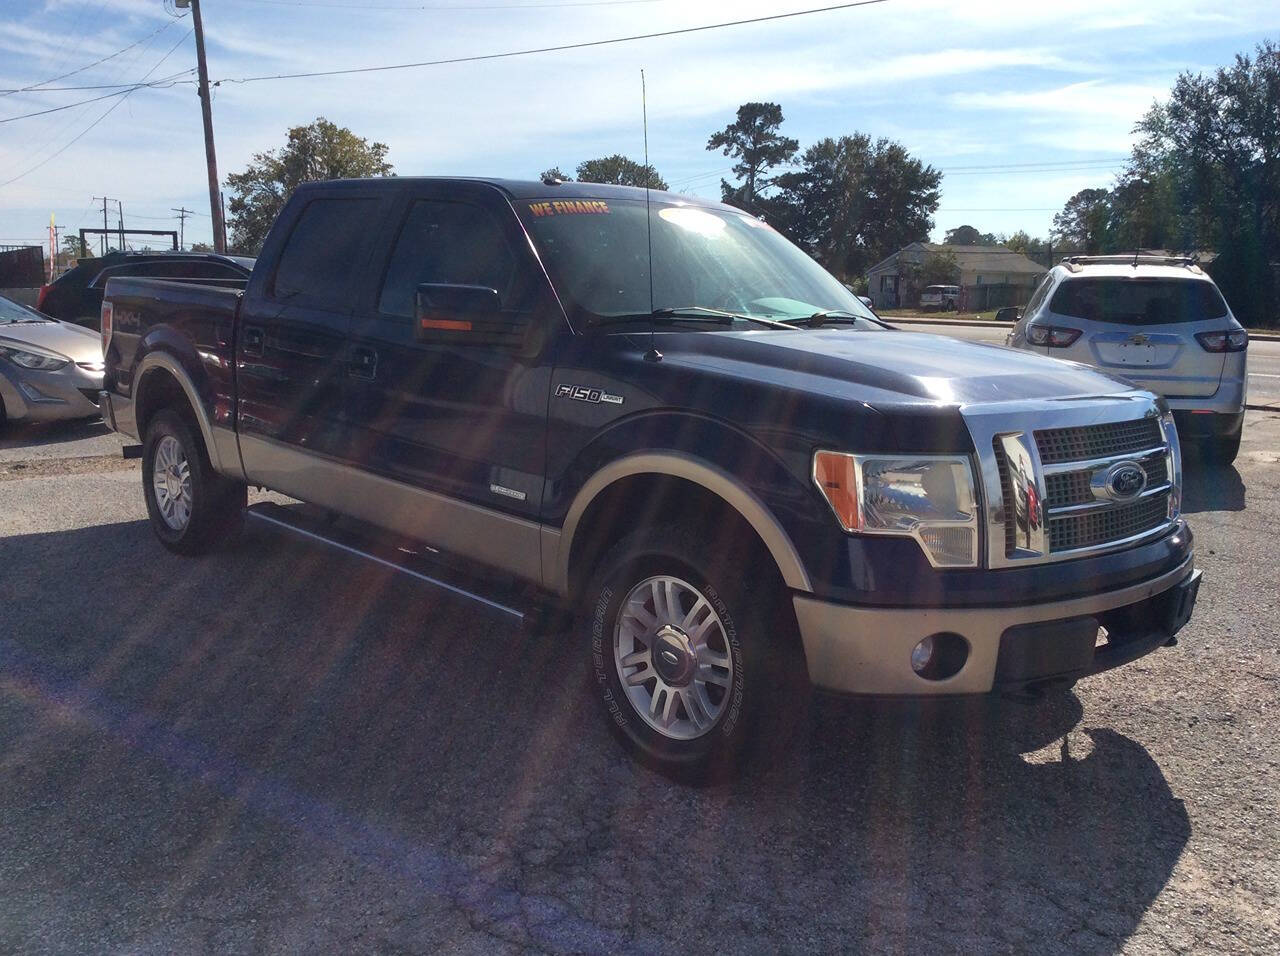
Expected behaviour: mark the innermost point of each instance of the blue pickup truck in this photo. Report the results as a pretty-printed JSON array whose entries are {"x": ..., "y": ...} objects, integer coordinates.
[{"x": 669, "y": 421}]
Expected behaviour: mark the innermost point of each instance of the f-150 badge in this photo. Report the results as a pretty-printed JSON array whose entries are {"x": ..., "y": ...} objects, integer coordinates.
[{"x": 584, "y": 393}]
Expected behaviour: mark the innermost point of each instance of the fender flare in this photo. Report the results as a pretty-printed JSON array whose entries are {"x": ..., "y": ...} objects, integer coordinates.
[
  {"x": 675, "y": 465},
  {"x": 220, "y": 442}
]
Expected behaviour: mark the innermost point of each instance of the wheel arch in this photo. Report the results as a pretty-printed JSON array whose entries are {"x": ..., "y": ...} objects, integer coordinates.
[
  {"x": 664, "y": 476},
  {"x": 161, "y": 381}
]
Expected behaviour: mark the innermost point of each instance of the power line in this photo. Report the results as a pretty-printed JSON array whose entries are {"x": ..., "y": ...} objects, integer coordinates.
[
  {"x": 552, "y": 49},
  {"x": 1047, "y": 162},
  {"x": 994, "y": 171},
  {"x": 104, "y": 115},
  {"x": 154, "y": 84},
  {"x": 35, "y": 87}
]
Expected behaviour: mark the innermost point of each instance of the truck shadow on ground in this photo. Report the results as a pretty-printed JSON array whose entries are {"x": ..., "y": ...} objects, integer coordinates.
[
  {"x": 1207, "y": 487},
  {"x": 280, "y": 747}
]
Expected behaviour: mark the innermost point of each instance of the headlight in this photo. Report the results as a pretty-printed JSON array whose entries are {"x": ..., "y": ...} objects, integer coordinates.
[
  {"x": 927, "y": 497},
  {"x": 39, "y": 361}
]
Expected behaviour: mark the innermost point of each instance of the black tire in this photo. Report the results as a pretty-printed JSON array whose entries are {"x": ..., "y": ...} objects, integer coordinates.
[
  {"x": 1220, "y": 450},
  {"x": 753, "y": 630},
  {"x": 216, "y": 504}
]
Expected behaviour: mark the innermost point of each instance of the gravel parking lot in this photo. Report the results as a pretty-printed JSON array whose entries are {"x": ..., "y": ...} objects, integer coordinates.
[{"x": 283, "y": 749}]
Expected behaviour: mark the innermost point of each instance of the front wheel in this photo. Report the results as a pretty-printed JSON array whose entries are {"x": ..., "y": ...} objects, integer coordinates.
[
  {"x": 685, "y": 657},
  {"x": 191, "y": 507}
]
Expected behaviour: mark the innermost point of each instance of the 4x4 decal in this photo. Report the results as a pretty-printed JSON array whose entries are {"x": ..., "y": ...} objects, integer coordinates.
[{"x": 584, "y": 393}]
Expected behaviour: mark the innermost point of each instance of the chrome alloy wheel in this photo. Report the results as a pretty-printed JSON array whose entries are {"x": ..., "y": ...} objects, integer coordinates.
[
  {"x": 171, "y": 480},
  {"x": 673, "y": 657}
]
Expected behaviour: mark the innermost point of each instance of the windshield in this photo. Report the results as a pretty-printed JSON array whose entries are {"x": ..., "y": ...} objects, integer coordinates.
[
  {"x": 11, "y": 311},
  {"x": 597, "y": 254},
  {"x": 1138, "y": 301}
]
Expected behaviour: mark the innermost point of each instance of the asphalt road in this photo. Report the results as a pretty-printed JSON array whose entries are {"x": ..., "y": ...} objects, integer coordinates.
[
  {"x": 1264, "y": 356},
  {"x": 277, "y": 748}
]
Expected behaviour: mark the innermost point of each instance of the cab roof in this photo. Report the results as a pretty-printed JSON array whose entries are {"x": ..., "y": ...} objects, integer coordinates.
[{"x": 532, "y": 188}]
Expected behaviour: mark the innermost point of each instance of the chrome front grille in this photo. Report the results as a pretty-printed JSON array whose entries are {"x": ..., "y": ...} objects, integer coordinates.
[
  {"x": 1055, "y": 477},
  {"x": 1066, "y": 488},
  {"x": 1097, "y": 441},
  {"x": 1094, "y": 528},
  {"x": 1078, "y": 515}
]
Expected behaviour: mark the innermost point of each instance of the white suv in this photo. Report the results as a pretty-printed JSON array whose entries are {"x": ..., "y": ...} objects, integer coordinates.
[{"x": 1159, "y": 322}]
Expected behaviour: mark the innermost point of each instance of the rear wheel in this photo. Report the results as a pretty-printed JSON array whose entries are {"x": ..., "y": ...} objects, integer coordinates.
[
  {"x": 191, "y": 507},
  {"x": 686, "y": 657},
  {"x": 1221, "y": 449}
]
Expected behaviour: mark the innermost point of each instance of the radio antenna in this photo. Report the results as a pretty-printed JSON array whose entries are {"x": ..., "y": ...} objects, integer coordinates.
[{"x": 653, "y": 355}]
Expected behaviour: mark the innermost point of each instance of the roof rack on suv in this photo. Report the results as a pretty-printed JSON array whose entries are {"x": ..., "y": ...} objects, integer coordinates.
[{"x": 1076, "y": 263}]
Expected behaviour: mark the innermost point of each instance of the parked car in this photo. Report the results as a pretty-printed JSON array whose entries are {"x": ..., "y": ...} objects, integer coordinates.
[
  {"x": 1010, "y": 313},
  {"x": 664, "y": 418},
  {"x": 1161, "y": 323},
  {"x": 48, "y": 369},
  {"x": 936, "y": 298},
  {"x": 76, "y": 295}
]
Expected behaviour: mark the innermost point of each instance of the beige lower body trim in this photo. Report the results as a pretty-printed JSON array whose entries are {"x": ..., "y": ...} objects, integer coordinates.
[
  {"x": 490, "y": 537},
  {"x": 866, "y": 650}
]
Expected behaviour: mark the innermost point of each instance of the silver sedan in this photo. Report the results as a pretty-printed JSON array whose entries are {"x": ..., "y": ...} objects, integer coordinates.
[{"x": 49, "y": 370}]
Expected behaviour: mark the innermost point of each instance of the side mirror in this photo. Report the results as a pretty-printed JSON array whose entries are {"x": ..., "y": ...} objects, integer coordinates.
[
  {"x": 1008, "y": 314},
  {"x": 465, "y": 314}
]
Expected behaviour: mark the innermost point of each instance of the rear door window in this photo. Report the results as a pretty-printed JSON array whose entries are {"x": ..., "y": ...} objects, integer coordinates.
[
  {"x": 1138, "y": 301},
  {"x": 324, "y": 250}
]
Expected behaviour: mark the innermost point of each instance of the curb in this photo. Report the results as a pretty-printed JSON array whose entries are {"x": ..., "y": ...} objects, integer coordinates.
[{"x": 1262, "y": 408}]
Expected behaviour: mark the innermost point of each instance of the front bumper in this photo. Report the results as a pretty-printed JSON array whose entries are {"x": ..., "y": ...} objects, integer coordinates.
[
  {"x": 867, "y": 650},
  {"x": 44, "y": 396}
]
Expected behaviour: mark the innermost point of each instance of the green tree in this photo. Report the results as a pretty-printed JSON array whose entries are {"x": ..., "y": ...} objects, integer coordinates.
[
  {"x": 620, "y": 171},
  {"x": 936, "y": 268},
  {"x": 318, "y": 151},
  {"x": 553, "y": 175},
  {"x": 1020, "y": 242},
  {"x": 1206, "y": 175},
  {"x": 968, "y": 236},
  {"x": 201, "y": 247},
  {"x": 754, "y": 141},
  {"x": 1084, "y": 220},
  {"x": 853, "y": 202},
  {"x": 73, "y": 248}
]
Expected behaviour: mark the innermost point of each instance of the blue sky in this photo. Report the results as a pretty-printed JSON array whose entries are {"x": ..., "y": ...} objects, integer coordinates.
[{"x": 960, "y": 85}]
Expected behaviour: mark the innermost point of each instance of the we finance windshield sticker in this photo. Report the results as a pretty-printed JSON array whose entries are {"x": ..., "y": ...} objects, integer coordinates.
[{"x": 569, "y": 207}]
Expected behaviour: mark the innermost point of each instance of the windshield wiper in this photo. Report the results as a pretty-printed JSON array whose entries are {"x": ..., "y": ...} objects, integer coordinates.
[
  {"x": 828, "y": 317},
  {"x": 691, "y": 313}
]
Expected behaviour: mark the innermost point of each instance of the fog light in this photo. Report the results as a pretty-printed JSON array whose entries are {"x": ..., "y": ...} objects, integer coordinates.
[
  {"x": 922, "y": 655},
  {"x": 940, "y": 656}
]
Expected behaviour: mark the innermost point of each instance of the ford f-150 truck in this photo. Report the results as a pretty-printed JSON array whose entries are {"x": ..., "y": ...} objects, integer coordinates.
[{"x": 663, "y": 416}]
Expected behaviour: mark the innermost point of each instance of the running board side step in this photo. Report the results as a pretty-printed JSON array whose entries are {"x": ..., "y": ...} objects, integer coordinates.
[{"x": 286, "y": 519}]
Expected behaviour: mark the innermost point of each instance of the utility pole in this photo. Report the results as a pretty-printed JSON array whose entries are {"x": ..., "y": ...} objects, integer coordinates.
[
  {"x": 120, "y": 222},
  {"x": 183, "y": 213},
  {"x": 104, "y": 224},
  {"x": 211, "y": 157}
]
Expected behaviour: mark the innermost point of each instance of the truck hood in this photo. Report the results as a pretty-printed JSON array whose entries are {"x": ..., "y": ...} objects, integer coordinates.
[
  {"x": 908, "y": 366},
  {"x": 76, "y": 343}
]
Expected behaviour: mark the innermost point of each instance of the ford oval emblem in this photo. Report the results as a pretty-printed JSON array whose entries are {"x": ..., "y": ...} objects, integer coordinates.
[{"x": 1123, "y": 481}]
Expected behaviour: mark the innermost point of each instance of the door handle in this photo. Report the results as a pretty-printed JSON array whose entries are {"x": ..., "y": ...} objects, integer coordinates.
[
  {"x": 363, "y": 362},
  {"x": 253, "y": 338}
]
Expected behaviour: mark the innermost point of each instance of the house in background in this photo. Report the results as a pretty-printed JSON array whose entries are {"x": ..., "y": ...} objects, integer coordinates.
[{"x": 990, "y": 276}]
